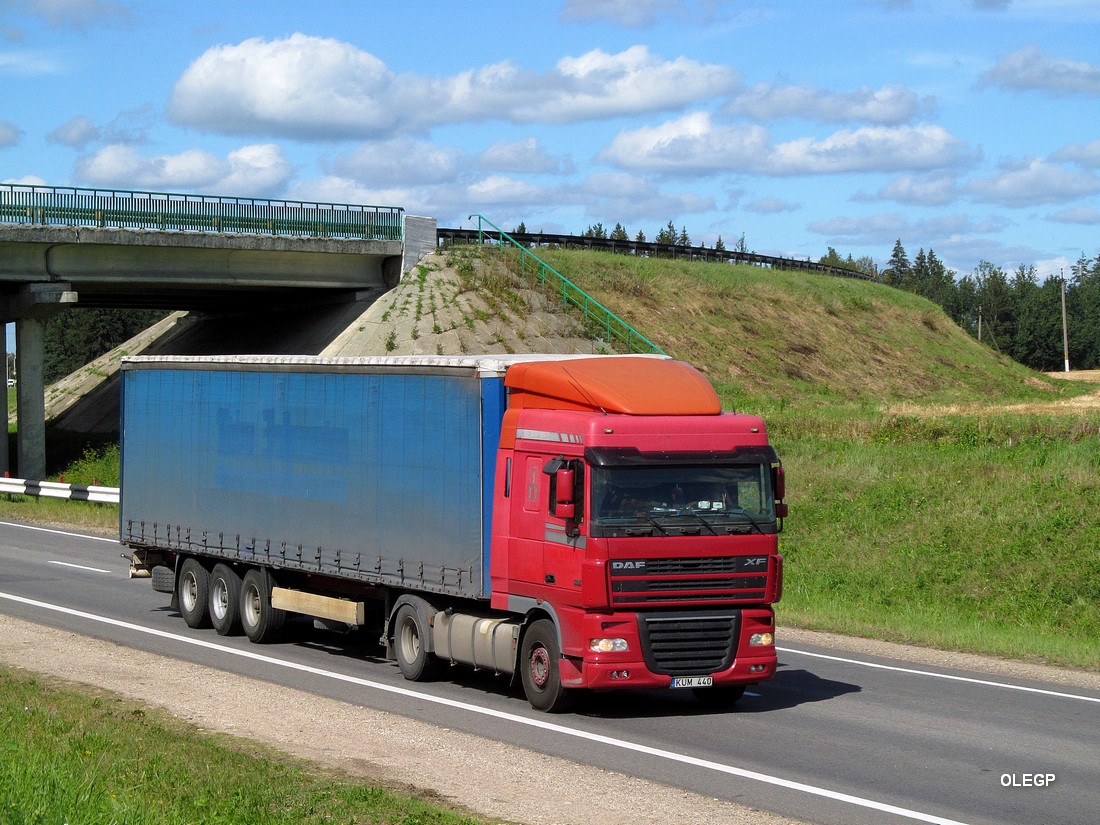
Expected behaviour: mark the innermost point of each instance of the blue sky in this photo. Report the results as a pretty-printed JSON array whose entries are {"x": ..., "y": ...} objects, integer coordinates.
[{"x": 970, "y": 127}]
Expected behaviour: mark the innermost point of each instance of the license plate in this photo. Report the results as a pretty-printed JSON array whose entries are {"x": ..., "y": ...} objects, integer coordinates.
[{"x": 692, "y": 681}]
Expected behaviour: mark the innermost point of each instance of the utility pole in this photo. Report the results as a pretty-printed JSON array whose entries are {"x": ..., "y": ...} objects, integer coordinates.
[
  {"x": 1065, "y": 331},
  {"x": 979, "y": 322}
]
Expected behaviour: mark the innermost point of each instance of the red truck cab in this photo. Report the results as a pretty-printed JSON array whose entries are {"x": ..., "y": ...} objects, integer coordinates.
[{"x": 635, "y": 525}]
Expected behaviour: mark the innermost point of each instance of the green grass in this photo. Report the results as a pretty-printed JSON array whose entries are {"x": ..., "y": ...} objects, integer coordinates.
[{"x": 69, "y": 756}]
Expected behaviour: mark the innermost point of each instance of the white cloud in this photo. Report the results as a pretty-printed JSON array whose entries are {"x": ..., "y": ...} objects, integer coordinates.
[
  {"x": 26, "y": 180},
  {"x": 249, "y": 171},
  {"x": 1086, "y": 155},
  {"x": 319, "y": 88},
  {"x": 401, "y": 160},
  {"x": 887, "y": 227},
  {"x": 694, "y": 145},
  {"x": 1086, "y": 215},
  {"x": 623, "y": 197},
  {"x": 1032, "y": 182},
  {"x": 76, "y": 132},
  {"x": 79, "y": 14},
  {"x": 888, "y": 105},
  {"x": 771, "y": 206},
  {"x": 629, "y": 13},
  {"x": 10, "y": 134},
  {"x": 525, "y": 155},
  {"x": 27, "y": 64},
  {"x": 499, "y": 189},
  {"x": 936, "y": 189},
  {"x": 1031, "y": 69}
]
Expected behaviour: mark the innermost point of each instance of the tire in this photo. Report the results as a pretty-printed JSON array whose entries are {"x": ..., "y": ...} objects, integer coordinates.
[
  {"x": 416, "y": 663},
  {"x": 192, "y": 590},
  {"x": 225, "y": 600},
  {"x": 714, "y": 697},
  {"x": 540, "y": 669},
  {"x": 260, "y": 621}
]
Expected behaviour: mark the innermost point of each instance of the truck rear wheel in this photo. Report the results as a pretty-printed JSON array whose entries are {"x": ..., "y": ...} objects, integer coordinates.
[
  {"x": 225, "y": 600},
  {"x": 261, "y": 621},
  {"x": 192, "y": 589},
  {"x": 416, "y": 663},
  {"x": 540, "y": 669}
]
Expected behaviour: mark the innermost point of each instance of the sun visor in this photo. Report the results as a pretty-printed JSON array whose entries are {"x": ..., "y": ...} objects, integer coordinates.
[{"x": 633, "y": 385}]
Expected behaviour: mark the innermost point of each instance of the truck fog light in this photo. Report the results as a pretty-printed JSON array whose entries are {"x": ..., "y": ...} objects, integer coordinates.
[
  {"x": 607, "y": 645},
  {"x": 757, "y": 639}
]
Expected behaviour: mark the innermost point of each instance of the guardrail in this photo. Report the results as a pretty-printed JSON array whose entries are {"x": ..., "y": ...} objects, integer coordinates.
[
  {"x": 59, "y": 489},
  {"x": 610, "y": 325},
  {"x": 67, "y": 206},
  {"x": 655, "y": 250}
]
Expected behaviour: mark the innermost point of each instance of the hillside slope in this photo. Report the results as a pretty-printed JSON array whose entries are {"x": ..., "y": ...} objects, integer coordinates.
[{"x": 795, "y": 335}]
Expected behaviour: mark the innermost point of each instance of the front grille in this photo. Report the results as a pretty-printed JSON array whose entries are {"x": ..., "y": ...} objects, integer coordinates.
[
  {"x": 671, "y": 580},
  {"x": 689, "y": 644}
]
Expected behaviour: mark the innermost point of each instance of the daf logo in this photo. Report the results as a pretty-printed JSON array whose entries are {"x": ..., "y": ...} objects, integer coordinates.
[
  {"x": 628, "y": 565},
  {"x": 759, "y": 560}
]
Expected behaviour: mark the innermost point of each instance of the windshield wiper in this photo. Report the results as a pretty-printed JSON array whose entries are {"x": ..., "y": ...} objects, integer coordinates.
[
  {"x": 700, "y": 519},
  {"x": 656, "y": 524}
]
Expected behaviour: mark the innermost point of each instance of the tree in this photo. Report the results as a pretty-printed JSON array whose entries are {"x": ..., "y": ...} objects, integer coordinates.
[
  {"x": 595, "y": 231},
  {"x": 995, "y": 304},
  {"x": 75, "y": 337},
  {"x": 719, "y": 246},
  {"x": 666, "y": 235},
  {"x": 640, "y": 237},
  {"x": 619, "y": 233},
  {"x": 521, "y": 229},
  {"x": 683, "y": 239},
  {"x": 741, "y": 246},
  {"x": 898, "y": 272}
]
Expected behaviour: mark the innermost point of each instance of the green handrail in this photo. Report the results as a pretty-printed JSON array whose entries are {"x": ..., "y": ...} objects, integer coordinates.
[
  {"x": 67, "y": 206},
  {"x": 612, "y": 326}
]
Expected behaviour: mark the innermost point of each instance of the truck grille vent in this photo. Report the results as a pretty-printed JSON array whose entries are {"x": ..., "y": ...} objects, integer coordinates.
[
  {"x": 710, "y": 580},
  {"x": 689, "y": 644}
]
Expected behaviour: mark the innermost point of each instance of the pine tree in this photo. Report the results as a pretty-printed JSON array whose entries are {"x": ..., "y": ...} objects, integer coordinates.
[{"x": 619, "y": 233}]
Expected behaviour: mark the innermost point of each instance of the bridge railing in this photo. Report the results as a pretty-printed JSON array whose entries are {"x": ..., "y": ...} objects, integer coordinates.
[
  {"x": 66, "y": 206},
  {"x": 612, "y": 327}
]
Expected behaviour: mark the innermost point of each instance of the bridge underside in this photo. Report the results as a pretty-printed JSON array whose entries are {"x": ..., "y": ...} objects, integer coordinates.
[{"x": 250, "y": 293}]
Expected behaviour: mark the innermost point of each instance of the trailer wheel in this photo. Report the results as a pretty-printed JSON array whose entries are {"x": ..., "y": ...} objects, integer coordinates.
[
  {"x": 540, "y": 669},
  {"x": 261, "y": 621},
  {"x": 192, "y": 588},
  {"x": 225, "y": 600},
  {"x": 416, "y": 663}
]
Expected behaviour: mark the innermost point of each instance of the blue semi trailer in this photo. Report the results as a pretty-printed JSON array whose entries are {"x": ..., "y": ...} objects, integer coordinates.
[{"x": 462, "y": 507}]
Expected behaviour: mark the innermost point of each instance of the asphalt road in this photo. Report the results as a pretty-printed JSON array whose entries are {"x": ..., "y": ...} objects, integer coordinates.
[{"x": 836, "y": 737}]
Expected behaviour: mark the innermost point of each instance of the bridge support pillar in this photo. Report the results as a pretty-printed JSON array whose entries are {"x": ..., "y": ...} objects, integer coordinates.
[{"x": 31, "y": 307}]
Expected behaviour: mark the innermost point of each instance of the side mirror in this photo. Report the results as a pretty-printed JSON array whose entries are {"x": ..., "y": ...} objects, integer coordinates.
[
  {"x": 779, "y": 483},
  {"x": 564, "y": 482}
]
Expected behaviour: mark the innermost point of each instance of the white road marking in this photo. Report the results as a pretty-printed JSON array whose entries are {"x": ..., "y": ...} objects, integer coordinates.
[
  {"x": 934, "y": 674},
  {"x": 57, "y": 532},
  {"x": 79, "y": 566},
  {"x": 622, "y": 744}
]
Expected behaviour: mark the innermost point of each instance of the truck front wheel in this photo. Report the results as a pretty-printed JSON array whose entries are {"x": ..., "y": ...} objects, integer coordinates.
[
  {"x": 192, "y": 589},
  {"x": 225, "y": 600},
  {"x": 416, "y": 663},
  {"x": 261, "y": 621},
  {"x": 540, "y": 669}
]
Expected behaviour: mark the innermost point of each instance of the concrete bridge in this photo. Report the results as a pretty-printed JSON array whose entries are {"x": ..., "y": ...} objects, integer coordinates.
[{"x": 63, "y": 248}]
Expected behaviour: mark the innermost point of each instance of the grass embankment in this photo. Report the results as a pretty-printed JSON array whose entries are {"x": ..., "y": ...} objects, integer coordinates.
[
  {"x": 925, "y": 507},
  {"x": 69, "y": 756}
]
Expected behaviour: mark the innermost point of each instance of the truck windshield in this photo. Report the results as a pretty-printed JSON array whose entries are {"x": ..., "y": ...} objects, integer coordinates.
[{"x": 717, "y": 499}]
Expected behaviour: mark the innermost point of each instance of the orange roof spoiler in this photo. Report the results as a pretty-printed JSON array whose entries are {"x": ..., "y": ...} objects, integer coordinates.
[{"x": 629, "y": 385}]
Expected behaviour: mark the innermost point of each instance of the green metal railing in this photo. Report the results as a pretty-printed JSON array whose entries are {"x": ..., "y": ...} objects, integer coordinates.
[
  {"x": 611, "y": 326},
  {"x": 66, "y": 206}
]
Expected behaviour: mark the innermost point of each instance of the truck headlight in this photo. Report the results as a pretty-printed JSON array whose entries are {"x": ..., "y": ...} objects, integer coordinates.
[
  {"x": 758, "y": 639},
  {"x": 608, "y": 645}
]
